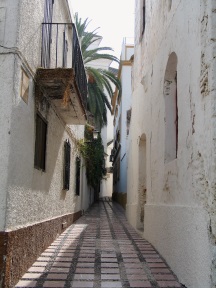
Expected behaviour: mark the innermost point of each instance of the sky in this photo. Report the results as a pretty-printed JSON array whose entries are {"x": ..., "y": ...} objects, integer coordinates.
[{"x": 115, "y": 19}]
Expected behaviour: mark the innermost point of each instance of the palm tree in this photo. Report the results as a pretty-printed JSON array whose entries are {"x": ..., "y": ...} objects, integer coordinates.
[{"x": 99, "y": 80}]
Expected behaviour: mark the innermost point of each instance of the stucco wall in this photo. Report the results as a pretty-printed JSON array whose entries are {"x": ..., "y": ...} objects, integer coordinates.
[
  {"x": 120, "y": 111},
  {"x": 125, "y": 105},
  {"x": 6, "y": 78},
  {"x": 32, "y": 195},
  {"x": 181, "y": 191},
  {"x": 7, "y": 39},
  {"x": 180, "y": 235}
]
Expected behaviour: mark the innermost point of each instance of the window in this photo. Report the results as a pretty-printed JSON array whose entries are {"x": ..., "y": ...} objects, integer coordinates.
[
  {"x": 171, "y": 109},
  {"x": 77, "y": 175},
  {"x": 24, "y": 91},
  {"x": 40, "y": 143},
  {"x": 66, "y": 175}
]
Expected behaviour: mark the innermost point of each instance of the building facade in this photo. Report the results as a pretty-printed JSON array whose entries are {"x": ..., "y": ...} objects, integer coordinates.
[
  {"x": 171, "y": 166},
  {"x": 42, "y": 116},
  {"x": 121, "y": 109}
]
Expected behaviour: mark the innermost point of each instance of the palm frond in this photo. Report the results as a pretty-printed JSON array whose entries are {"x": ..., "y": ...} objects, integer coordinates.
[
  {"x": 101, "y": 56},
  {"x": 96, "y": 104},
  {"x": 95, "y": 76},
  {"x": 111, "y": 76},
  {"x": 108, "y": 87},
  {"x": 88, "y": 39},
  {"x": 92, "y": 52},
  {"x": 81, "y": 26},
  {"x": 100, "y": 81}
]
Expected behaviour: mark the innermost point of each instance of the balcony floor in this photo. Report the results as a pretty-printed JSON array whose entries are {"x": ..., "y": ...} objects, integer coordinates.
[{"x": 59, "y": 86}]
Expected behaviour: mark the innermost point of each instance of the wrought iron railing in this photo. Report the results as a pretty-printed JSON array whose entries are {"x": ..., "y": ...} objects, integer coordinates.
[{"x": 61, "y": 49}]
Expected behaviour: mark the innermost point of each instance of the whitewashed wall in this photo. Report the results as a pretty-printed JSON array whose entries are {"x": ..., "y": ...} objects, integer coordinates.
[
  {"x": 8, "y": 39},
  {"x": 28, "y": 195},
  {"x": 120, "y": 111},
  {"x": 180, "y": 193}
]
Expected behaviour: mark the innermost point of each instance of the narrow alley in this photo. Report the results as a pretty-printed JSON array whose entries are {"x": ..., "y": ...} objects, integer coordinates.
[{"x": 101, "y": 249}]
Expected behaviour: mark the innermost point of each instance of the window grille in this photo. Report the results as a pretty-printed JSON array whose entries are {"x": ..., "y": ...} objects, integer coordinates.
[
  {"x": 40, "y": 143},
  {"x": 67, "y": 152}
]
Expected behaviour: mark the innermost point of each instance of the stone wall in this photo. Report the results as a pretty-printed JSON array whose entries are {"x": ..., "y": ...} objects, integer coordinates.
[{"x": 20, "y": 248}]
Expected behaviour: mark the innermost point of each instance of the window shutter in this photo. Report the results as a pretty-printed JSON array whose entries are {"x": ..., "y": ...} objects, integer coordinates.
[
  {"x": 40, "y": 143},
  {"x": 67, "y": 151},
  {"x": 77, "y": 176}
]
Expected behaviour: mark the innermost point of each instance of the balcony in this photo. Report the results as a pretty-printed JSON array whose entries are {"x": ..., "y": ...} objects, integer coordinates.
[{"x": 61, "y": 77}]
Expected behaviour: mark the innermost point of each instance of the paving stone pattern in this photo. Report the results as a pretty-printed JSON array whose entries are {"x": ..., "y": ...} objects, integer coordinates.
[{"x": 100, "y": 250}]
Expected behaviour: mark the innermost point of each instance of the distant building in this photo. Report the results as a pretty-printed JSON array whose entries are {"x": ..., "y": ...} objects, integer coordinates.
[
  {"x": 42, "y": 115},
  {"x": 121, "y": 110},
  {"x": 171, "y": 163}
]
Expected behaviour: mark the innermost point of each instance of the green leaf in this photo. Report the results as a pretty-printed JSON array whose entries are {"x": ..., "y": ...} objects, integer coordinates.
[{"x": 101, "y": 82}]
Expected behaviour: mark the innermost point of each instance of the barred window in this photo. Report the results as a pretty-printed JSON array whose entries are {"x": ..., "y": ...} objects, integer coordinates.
[
  {"x": 40, "y": 143},
  {"x": 66, "y": 174}
]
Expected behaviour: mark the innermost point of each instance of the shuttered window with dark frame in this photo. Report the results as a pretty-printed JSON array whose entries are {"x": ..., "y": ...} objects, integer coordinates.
[
  {"x": 78, "y": 161},
  {"x": 67, "y": 155},
  {"x": 40, "y": 143}
]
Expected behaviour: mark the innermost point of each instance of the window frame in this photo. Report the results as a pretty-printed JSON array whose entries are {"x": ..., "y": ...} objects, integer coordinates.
[
  {"x": 41, "y": 127},
  {"x": 77, "y": 175},
  {"x": 66, "y": 172}
]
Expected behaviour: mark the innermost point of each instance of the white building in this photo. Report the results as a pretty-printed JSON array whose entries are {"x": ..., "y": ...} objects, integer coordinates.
[
  {"x": 172, "y": 157},
  {"x": 43, "y": 94},
  {"x": 121, "y": 109}
]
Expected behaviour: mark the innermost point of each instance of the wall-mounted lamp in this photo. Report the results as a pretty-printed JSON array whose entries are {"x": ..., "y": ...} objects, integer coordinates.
[{"x": 95, "y": 134}]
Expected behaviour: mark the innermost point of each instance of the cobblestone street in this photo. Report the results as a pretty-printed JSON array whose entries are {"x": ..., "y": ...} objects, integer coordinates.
[{"x": 101, "y": 249}]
